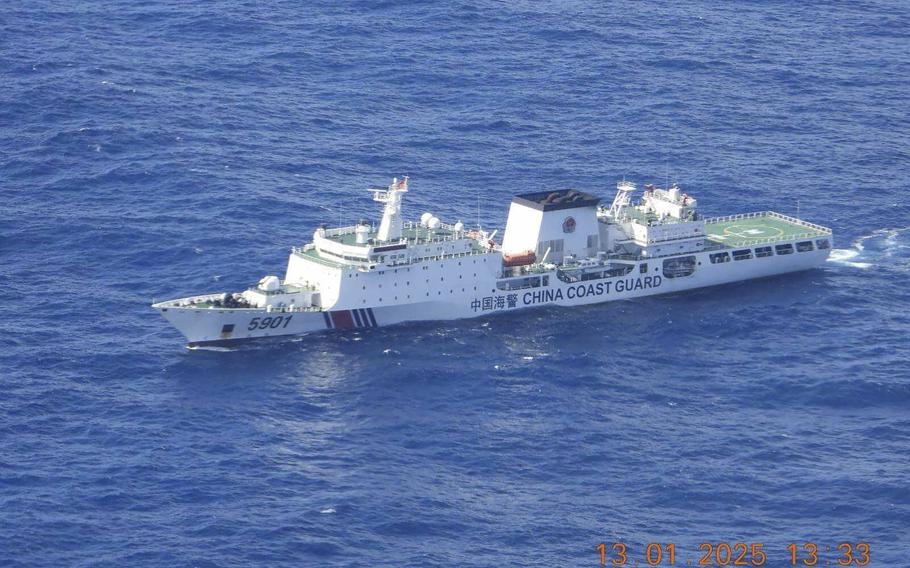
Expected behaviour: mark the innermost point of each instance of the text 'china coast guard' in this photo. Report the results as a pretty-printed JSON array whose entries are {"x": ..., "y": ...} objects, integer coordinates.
[{"x": 561, "y": 247}]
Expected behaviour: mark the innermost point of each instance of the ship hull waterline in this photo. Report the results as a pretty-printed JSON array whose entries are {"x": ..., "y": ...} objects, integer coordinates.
[{"x": 208, "y": 327}]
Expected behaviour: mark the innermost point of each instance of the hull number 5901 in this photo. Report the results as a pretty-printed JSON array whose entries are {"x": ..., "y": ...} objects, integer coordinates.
[{"x": 269, "y": 322}]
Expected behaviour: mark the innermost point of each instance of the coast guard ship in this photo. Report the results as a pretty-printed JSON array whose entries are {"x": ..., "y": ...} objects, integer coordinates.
[{"x": 562, "y": 247}]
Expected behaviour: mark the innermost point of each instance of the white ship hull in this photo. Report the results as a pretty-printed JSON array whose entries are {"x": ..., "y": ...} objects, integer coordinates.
[
  {"x": 213, "y": 326},
  {"x": 560, "y": 248}
]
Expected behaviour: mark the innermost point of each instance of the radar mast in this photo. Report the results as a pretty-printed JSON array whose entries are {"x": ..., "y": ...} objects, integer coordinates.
[{"x": 390, "y": 226}]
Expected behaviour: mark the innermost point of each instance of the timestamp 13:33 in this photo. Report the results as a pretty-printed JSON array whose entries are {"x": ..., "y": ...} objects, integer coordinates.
[{"x": 736, "y": 554}]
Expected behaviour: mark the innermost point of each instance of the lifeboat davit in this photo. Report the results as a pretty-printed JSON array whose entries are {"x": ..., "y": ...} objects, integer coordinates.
[{"x": 519, "y": 259}]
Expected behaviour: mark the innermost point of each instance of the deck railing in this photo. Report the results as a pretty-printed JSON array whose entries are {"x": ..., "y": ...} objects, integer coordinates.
[
  {"x": 800, "y": 222},
  {"x": 338, "y": 231},
  {"x": 776, "y": 215},
  {"x": 737, "y": 217}
]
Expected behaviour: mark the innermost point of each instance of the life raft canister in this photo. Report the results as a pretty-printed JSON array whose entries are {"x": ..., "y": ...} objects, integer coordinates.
[{"x": 519, "y": 259}]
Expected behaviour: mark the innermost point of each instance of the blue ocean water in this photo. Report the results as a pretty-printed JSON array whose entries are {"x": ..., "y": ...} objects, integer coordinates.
[{"x": 158, "y": 149}]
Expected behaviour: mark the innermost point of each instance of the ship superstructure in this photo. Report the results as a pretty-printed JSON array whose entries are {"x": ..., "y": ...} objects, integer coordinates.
[{"x": 562, "y": 247}]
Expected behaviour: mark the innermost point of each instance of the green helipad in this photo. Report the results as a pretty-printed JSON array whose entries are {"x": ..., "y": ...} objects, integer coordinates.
[{"x": 758, "y": 228}]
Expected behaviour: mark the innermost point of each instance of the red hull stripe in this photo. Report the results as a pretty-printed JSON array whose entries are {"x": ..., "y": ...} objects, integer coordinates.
[{"x": 342, "y": 319}]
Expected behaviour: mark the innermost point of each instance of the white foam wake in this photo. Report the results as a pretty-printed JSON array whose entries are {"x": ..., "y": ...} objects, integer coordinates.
[
  {"x": 846, "y": 256},
  {"x": 883, "y": 246}
]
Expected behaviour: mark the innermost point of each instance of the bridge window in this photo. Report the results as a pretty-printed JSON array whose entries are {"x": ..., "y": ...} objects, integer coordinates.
[
  {"x": 784, "y": 249},
  {"x": 720, "y": 257},
  {"x": 744, "y": 254},
  {"x": 679, "y": 267},
  {"x": 519, "y": 283},
  {"x": 804, "y": 246},
  {"x": 762, "y": 252}
]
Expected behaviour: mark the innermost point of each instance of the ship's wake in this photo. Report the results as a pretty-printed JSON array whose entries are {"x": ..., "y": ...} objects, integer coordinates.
[
  {"x": 883, "y": 247},
  {"x": 215, "y": 348}
]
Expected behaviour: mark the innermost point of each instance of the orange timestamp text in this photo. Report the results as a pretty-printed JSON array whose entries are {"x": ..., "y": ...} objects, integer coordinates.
[{"x": 735, "y": 554}]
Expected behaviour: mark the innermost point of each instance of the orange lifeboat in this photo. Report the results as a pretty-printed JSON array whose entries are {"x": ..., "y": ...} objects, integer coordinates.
[{"x": 519, "y": 259}]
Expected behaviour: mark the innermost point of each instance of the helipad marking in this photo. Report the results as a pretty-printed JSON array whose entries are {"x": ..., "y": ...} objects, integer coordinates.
[{"x": 749, "y": 232}]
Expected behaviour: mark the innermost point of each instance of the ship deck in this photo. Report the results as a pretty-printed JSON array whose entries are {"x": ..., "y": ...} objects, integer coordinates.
[
  {"x": 411, "y": 233},
  {"x": 757, "y": 228}
]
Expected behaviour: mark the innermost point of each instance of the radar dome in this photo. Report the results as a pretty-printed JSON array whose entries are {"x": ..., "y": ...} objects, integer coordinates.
[
  {"x": 425, "y": 219},
  {"x": 362, "y": 232},
  {"x": 433, "y": 223}
]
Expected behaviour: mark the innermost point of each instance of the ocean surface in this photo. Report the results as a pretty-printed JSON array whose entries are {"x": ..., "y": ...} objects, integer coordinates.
[{"x": 160, "y": 149}]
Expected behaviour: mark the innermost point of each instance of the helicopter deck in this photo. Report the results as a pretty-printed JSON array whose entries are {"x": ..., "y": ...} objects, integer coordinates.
[{"x": 758, "y": 228}]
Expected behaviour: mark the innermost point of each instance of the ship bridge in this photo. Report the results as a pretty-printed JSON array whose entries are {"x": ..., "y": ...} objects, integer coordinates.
[
  {"x": 360, "y": 244},
  {"x": 395, "y": 242}
]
